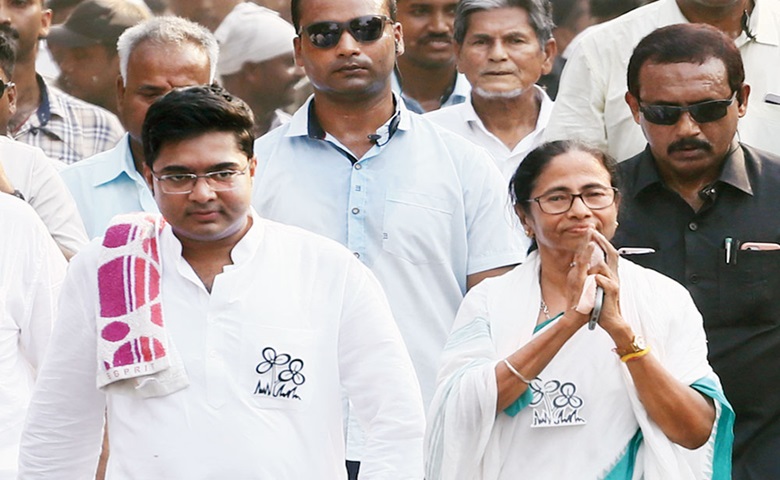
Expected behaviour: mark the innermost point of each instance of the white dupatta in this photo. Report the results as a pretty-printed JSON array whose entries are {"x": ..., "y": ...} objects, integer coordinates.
[{"x": 466, "y": 435}]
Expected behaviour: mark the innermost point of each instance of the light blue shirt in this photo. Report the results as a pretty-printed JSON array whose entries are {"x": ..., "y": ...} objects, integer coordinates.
[
  {"x": 106, "y": 185},
  {"x": 422, "y": 209},
  {"x": 461, "y": 92}
]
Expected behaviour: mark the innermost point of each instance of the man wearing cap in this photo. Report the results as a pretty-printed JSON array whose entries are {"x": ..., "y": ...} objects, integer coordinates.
[
  {"x": 256, "y": 63},
  {"x": 65, "y": 128},
  {"x": 155, "y": 56},
  {"x": 85, "y": 48}
]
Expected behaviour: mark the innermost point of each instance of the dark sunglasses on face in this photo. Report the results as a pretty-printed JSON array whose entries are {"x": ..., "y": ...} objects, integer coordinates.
[
  {"x": 5, "y": 86},
  {"x": 702, "y": 112},
  {"x": 365, "y": 29}
]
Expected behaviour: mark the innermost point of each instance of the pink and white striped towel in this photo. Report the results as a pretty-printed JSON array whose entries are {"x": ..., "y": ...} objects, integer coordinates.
[{"x": 135, "y": 354}]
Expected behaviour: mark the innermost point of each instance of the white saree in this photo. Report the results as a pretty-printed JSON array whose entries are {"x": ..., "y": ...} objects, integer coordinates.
[{"x": 593, "y": 432}]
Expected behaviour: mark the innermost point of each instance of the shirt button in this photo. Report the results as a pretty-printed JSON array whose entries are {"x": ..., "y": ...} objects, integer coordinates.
[
  {"x": 357, "y": 255},
  {"x": 693, "y": 226},
  {"x": 694, "y": 278},
  {"x": 358, "y": 166},
  {"x": 355, "y": 210}
]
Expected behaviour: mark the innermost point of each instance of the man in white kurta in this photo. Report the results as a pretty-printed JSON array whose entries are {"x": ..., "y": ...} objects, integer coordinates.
[
  {"x": 267, "y": 343},
  {"x": 31, "y": 273}
]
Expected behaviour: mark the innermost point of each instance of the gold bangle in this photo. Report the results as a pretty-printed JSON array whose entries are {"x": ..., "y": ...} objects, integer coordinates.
[
  {"x": 634, "y": 355},
  {"x": 515, "y": 372}
]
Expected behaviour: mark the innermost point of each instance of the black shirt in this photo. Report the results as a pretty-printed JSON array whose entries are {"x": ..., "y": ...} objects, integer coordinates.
[{"x": 739, "y": 299}]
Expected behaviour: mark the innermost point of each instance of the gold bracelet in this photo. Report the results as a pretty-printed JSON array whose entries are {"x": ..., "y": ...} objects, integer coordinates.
[
  {"x": 634, "y": 355},
  {"x": 515, "y": 372}
]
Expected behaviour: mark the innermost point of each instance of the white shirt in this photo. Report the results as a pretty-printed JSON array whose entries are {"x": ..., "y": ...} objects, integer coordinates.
[
  {"x": 463, "y": 120},
  {"x": 31, "y": 273},
  {"x": 422, "y": 210},
  {"x": 590, "y": 104},
  {"x": 295, "y": 292},
  {"x": 35, "y": 175},
  {"x": 106, "y": 185}
]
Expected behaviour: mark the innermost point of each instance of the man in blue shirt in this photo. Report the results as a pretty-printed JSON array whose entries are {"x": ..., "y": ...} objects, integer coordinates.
[{"x": 422, "y": 207}]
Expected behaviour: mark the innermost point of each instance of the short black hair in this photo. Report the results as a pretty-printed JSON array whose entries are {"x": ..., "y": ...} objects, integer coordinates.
[
  {"x": 7, "y": 54},
  {"x": 525, "y": 177},
  {"x": 188, "y": 112},
  {"x": 295, "y": 12},
  {"x": 686, "y": 43}
]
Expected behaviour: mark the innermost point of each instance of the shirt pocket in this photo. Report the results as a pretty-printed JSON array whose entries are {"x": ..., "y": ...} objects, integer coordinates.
[
  {"x": 417, "y": 227},
  {"x": 749, "y": 289},
  {"x": 280, "y": 367}
]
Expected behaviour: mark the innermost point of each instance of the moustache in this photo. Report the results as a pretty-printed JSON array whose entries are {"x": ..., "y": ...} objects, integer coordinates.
[
  {"x": 9, "y": 31},
  {"x": 688, "y": 143},
  {"x": 436, "y": 37}
]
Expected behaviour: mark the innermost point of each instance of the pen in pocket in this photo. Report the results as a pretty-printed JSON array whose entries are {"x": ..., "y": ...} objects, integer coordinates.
[{"x": 729, "y": 246}]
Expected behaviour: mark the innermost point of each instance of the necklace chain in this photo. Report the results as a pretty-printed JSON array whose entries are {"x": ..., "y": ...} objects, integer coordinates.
[{"x": 545, "y": 310}]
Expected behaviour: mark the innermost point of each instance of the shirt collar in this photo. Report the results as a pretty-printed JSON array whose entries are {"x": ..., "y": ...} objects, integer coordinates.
[
  {"x": 305, "y": 124},
  {"x": 734, "y": 172},
  {"x": 669, "y": 13},
  {"x": 458, "y": 92},
  {"x": 242, "y": 252},
  {"x": 119, "y": 160},
  {"x": 545, "y": 111},
  {"x": 763, "y": 23}
]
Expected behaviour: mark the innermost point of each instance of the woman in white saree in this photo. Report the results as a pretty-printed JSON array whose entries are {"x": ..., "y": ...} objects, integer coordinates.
[{"x": 527, "y": 392}]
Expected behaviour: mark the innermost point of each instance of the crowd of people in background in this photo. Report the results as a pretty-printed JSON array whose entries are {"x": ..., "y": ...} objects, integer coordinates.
[{"x": 389, "y": 239}]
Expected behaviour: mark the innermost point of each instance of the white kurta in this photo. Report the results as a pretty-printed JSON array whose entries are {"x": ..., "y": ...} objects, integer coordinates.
[
  {"x": 31, "y": 273},
  {"x": 289, "y": 292}
]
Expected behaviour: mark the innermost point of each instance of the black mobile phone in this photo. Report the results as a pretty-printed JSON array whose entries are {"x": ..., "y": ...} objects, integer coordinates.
[{"x": 596, "y": 312}]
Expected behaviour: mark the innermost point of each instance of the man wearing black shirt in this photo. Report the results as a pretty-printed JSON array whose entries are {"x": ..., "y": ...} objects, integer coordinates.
[{"x": 707, "y": 207}]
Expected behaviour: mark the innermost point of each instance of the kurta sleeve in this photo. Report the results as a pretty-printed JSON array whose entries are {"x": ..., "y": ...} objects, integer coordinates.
[
  {"x": 63, "y": 432},
  {"x": 378, "y": 375}
]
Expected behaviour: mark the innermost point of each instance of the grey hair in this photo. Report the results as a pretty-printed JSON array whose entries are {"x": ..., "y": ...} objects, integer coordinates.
[
  {"x": 167, "y": 30},
  {"x": 539, "y": 15}
]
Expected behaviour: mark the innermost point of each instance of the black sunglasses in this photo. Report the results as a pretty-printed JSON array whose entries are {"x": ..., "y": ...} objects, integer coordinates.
[
  {"x": 702, "y": 112},
  {"x": 5, "y": 86},
  {"x": 367, "y": 28}
]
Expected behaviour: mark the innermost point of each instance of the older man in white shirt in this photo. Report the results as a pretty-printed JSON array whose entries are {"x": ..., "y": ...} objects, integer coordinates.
[{"x": 503, "y": 47}]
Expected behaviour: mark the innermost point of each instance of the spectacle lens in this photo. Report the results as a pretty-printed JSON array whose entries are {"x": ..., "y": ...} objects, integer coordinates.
[
  {"x": 561, "y": 202},
  {"x": 184, "y": 183},
  {"x": 365, "y": 29},
  {"x": 702, "y": 112}
]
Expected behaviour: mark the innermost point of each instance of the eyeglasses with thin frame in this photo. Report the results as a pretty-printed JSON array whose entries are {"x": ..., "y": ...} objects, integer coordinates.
[
  {"x": 5, "y": 86},
  {"x": 702, "y": 112},
  {"x": 365, "y": 29},
  {"x": 184, "y": 183},
  {"x": 556, "y": 203}
]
